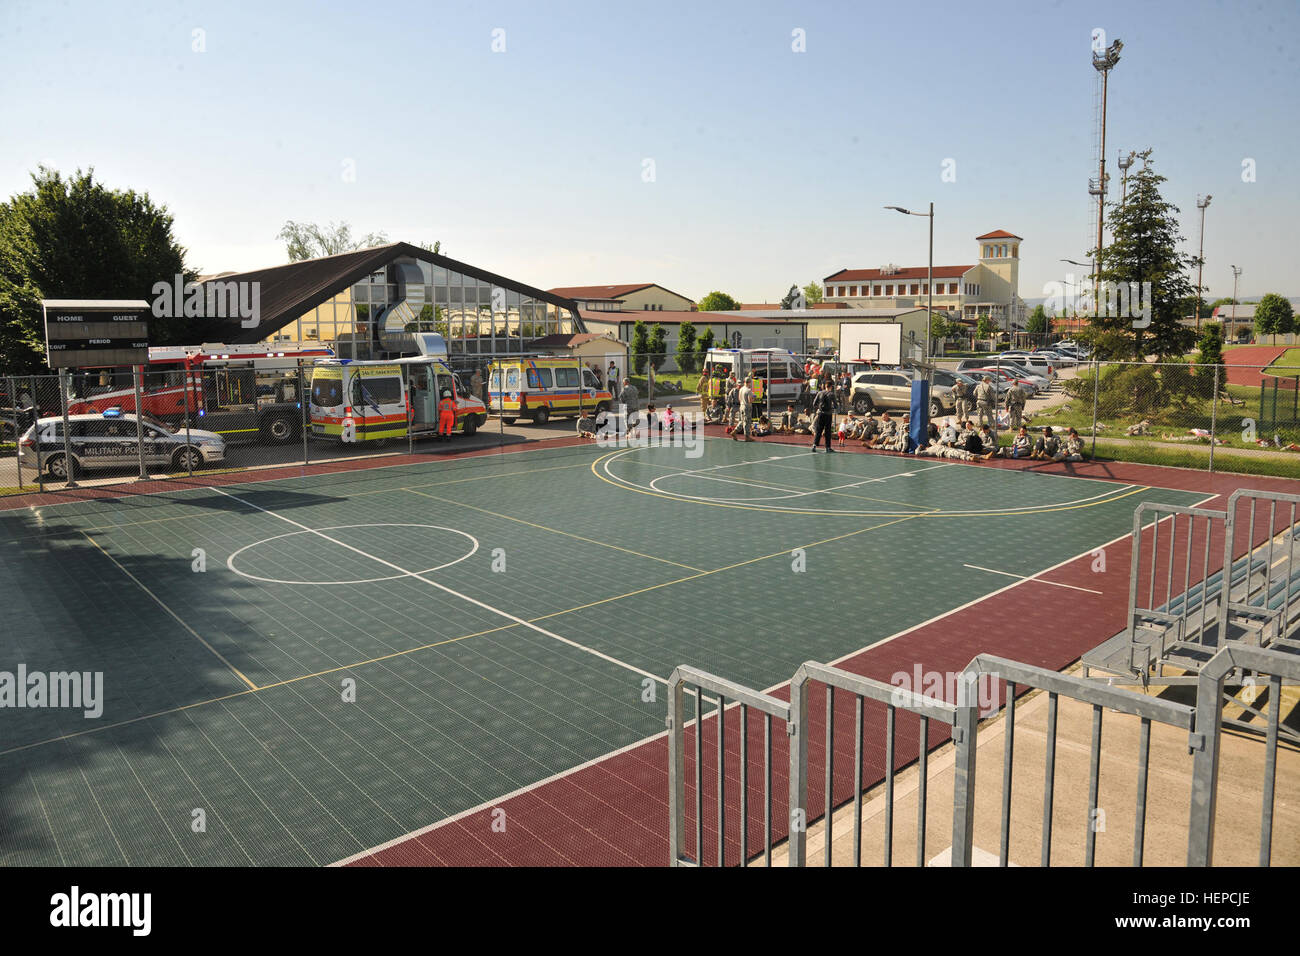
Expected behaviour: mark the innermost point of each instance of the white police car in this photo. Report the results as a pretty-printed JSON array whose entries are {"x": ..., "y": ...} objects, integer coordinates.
[{"x": 109, "y": 440}]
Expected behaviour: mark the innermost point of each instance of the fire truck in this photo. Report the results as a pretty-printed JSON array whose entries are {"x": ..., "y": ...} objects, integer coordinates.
[{"x": 242, "y": 392}]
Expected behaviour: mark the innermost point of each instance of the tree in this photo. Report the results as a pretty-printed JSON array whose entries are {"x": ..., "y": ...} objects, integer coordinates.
[
  {"x": 718, "y": 302},
  {"x": 1037, "y": 323},
  {"x": 940, "y": 327},
  {"x": 75, "y": 238},
  {"x": 1210, "y": 347},
  {"x": 658, "y": 346},
  {"x": 306, "y": 240},
  {"x": 1274, "y": 315},
  {"x": 793, "y": 299},
  {"x": 1143, "y": 255},
  {"x": 686, "y": 347},
  {"x": 984, "y": 328},
  {"x": 640, "y": 346},
  {"x": 703, "y": 344},
  {"x": 812, "y": 293}
]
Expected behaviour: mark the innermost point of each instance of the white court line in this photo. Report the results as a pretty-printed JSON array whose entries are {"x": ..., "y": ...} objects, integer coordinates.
[
  {"x": 1030, "y": 577},
  {"x": 419, "y": 576},
  {"x": 528, "y": 788},
  {"x": 773, "y": 486}
]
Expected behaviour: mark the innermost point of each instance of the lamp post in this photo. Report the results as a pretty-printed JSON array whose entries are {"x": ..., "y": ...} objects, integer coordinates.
[
  {"x": 1103, "y": 63},
  {"x": 1081, "y": 265},
  {"x": 929, "y": 288},
  {"x": 1124, "y": 162},
  {"x": 1202, "y": 205},
  {"x": 1232, "y": 324}
]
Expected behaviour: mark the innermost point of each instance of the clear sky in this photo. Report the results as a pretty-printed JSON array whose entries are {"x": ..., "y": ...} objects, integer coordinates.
[{"x": 770, "y": 166}]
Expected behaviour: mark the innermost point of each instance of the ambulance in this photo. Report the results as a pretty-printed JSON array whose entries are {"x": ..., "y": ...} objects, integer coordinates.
[
  {"x": 378, "y": 401},
  {"x": 539, "y": 387},
  {"x": 777, "y": 372}
]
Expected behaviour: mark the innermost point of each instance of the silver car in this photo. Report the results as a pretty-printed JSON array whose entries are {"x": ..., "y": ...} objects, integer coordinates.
[
  {"x": 892, "y": 389},
  {"x": 110, "y": 440}
]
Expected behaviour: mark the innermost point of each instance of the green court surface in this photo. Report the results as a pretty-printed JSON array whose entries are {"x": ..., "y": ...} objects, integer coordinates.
[{"x": 369, "y": 652}]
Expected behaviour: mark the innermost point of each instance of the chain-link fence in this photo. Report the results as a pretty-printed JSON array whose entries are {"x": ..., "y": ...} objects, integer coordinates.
[{"x": 82, "y": 428}]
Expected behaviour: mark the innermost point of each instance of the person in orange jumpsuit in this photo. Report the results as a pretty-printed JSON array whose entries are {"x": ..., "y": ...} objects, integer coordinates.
[{"x": 446, "y": 416}]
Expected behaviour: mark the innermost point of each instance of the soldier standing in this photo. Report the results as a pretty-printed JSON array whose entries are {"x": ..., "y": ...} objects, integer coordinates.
[
  {"x": 986, "y": 400},
  {"x": 1015, "y": 406},
  {"x": 961, "y": 392},
  {"x": 702, "y": 386}
]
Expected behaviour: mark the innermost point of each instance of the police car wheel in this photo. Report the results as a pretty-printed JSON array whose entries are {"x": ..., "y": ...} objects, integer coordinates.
[
  {"x": 541, "y": 416},
  {"x": 187, "y": 459},
  {"x": 56, "y": 465}
]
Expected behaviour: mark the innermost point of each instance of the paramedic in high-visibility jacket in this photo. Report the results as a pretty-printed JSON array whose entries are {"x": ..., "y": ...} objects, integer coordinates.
[{"x": 446, "y": 416}]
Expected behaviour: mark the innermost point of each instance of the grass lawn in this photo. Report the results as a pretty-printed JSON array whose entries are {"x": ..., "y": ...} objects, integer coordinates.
[{"x": 1287, "y": 364}]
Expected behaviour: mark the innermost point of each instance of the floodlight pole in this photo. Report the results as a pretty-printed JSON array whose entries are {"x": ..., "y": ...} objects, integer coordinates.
[
  {"x": 1232, "y": 324},
  {"x": 929, "y": 273},
  {"x": 1201, "y": 204}
]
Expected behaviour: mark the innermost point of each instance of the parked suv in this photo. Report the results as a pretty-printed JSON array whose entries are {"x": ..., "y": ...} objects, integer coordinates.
[
  {"x": 109, "y": 440},
  {"x": 892, "y": 389}
]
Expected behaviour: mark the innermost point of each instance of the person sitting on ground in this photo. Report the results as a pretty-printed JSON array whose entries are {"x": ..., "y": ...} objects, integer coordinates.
[
  {"x": 763, "y": 427},
  {"x": 671, "y": 419},
  {"x": 803, "y": 425},
  {"x": 846, "y": 425},
  {"x": 950, "y": 435},
  {"x": 1021, "y": 446},
  {"x": 1071, "y": 449},
  {"x": 1047, "y": 446},
  {"x": 886, "y": 432},
  {"x": 716, "y": 412},
  {"x": 869, "y": 430},
  {"x": 971, "y": 441},
  {"x": 988, "y": 439},
  {"x": 587, "y": 427}
]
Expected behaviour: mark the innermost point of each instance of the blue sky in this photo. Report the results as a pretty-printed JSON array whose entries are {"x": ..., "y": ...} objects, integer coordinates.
[{"x": 770, "y": 166}]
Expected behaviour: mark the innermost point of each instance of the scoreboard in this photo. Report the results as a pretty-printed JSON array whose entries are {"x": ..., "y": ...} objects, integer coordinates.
[{"x": 95, "y": 333}]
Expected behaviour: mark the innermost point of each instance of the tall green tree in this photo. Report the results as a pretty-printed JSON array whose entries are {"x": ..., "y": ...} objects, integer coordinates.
[
  {"x": 640, "y": 346},
  {"x": 1144, "y": 250},
  {"x": 703, "y": 344},
  {"x": 984, "y": 328},
  {"x": 812, "y": 293},
  {"x": 686, "y": 347},
  {"x": 1037, "y": 323},
  {"x": 1210, "y": 347},
  {"x": 658, "y": 346},
  {"x": 75, "y": 238},
  {"x": 791, "y": 299},
  {"x": 306, "y": 240},
  {"x": 718, "y": 302},
  {"x": 1274, "y": 316}
]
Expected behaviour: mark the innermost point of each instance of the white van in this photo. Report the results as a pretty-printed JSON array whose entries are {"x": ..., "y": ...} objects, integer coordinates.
[{"x": 777, "y": 369}]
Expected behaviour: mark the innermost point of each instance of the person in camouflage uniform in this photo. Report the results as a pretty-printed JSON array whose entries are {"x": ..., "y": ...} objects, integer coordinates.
[
  {"x": 1015, "y": 399},
  {"x": 986, "y": 400},
  {"x": 961, "y": 393}
]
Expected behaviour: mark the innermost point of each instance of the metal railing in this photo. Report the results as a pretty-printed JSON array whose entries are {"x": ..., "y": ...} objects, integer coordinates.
[
  {"x": 745, "y": 700},
  {"x": 1265, "y": 608},
  {"x": 1203, "y": 724}
]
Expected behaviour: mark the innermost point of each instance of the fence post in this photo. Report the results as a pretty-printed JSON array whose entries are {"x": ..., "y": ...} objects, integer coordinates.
[
  {"x": 69, "y": 466},
  {"x": 36, "y": 420},
  {"x": 13, "y": 398},
  {"x": 1214, "y": 417},
  {"x": 1096, "y": 388},
  {"x": 185, "y": 387},
  {"x": 964, "y": 734},
  {"x": 798, "y": 769},
  {"x": 137, "y": 376},
  {"x": 677, "y": 774}
]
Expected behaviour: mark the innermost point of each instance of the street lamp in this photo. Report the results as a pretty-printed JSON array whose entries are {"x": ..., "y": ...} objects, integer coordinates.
[
  {"x": 1232, "y": 325},
  {"x": 929, "y": 288},
  {"x": 1103, "y": 63},
  {"x": 1202, "y": 205},
  {"x": 1124, "y": 162},
  {"x": 1081, "y": 265}
]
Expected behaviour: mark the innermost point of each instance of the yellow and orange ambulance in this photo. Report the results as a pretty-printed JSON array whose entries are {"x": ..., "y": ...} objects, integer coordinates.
[
  {"x": 376, "y": 401},
  {"x": 540, "y": 387}
]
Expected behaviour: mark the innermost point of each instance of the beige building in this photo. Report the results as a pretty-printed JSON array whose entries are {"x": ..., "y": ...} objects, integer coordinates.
[
  {"x": 989, "y": 287},
  {"x": 730, "y": 329},
  {"x": 633, "y": 297}
]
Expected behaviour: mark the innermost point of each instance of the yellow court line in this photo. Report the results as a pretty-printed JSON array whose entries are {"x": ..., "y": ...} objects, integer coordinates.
[
  {"x": 254, "y": 690},
  {"x": 759, "y": 483},
  {"x": 807, "y": 513},
  {"x": 542, "y": 527},
  {"x": 157, "y": 600},
  {"x": 740, "y": 564}
]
